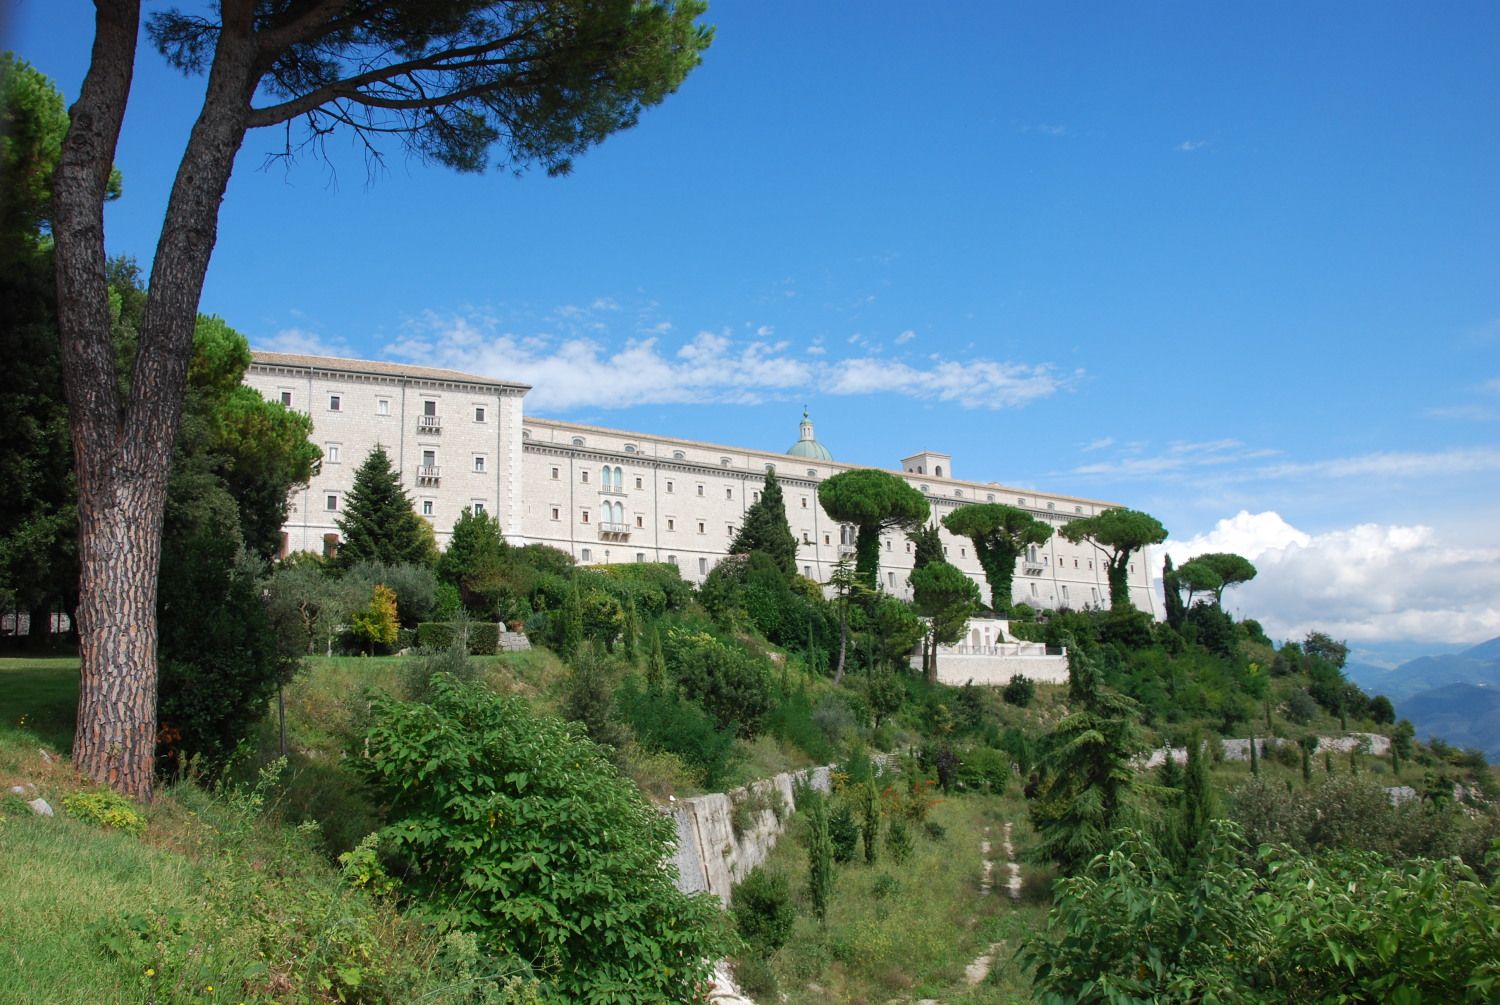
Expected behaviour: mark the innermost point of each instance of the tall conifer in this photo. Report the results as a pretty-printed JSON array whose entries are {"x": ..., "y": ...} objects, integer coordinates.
[
  {"x": 379, "y": 523},
  {"x": 766, "y": 529}
]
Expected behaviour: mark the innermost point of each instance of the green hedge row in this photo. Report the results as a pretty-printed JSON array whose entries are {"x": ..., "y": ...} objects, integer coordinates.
[{"x": 484, "y": 636}]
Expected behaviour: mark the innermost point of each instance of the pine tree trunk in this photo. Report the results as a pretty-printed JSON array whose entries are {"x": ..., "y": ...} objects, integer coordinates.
[{"x": 122, "y": 449}]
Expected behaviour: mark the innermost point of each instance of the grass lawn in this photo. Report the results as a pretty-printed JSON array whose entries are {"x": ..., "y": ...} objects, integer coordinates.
[{"x": 39, "y": 697}]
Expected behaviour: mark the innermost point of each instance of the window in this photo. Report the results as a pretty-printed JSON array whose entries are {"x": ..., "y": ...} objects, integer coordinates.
[
  {"x": 584, "y": 516},
  {"x": 429, "y": 406},
  {"x": 556, "y": 474},
  {"x": 331, "y": 453},
  {"x": 812, "y": 472},
  {"x": 990, "y": 497},
  {"x": 678, "y": 455},
  {"x": 583, "y": 476},
  {"x": 729, "y": 493},
  {"x": 638, "y": 482},
  {"x": 478, "y": 507},
  {"x": 723, "y": 462},
  {"x": 755, "y": 497},
  {"x": 669, "y": 485},
  {"x": 1077, "y": 509},
  {"x": 807, "y": 571},
  {"x": 382, "y": 406},
  {"x": 926, "y": 489},
  {"x": 671, "y": 523},
  {"x": 937, "y": 469},
  {"x": 577, "y": 441},
  {"x": 804, "y": 502},
  {"x": 770, "y": 467},
  {"x": 556, "y": 513},
  {"x": 1020, "y": 502},
  {"x": 1033, "y": 589},
  {"x": 330, "y": 502},
  {"x": 640, "y": 556},
  {"x": 891, "y": 578},
  {"x": 827, "y": 539},
  {"x": 1065, "y": 594},
  {"x": 630, "y": 448},
  {"x": 700, "y": 527},
  {"x": 700, "y": 488},
  {"x": 286, "y": 398},
  {"x": 427, "y": 507},
  {"x": 335, "y": 402},
  {"x": 958, "y": 493},
  {"x": 1094, "y": 590},
  {"x": 887, "y": 544},
  {"x": 479, "y": 464},
  {"x": 606, "y": 477},
  {"x": 963, "y": 553},
  {"x": 671, "y": 559},
  {"x": 908, "y": 547},
  {"x": 330, "y": 545},
  {"x": 478, "y": 413},
  {"x": 586, "y": 555},
  {"x": 730, "y": 530},
  {"x": 640, "y": 521},
  {"x": 702, "y": 566},
  {"x": 1075, "y": 563}
]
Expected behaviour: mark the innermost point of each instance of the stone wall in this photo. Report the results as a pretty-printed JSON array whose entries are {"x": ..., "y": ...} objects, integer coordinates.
[
  {"x": 959, "y": 669},
  {"x": 710, "y": 855},
  {"x": 1239, "y": 749}
]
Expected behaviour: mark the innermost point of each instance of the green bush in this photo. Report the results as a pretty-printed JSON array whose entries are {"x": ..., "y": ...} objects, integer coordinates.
[
  {"x": 1020, "y": 692},
  {"x": 1295, "y": 928},
  {"x": 666, "y": 723},
  {"x": 524, "y": 834},
  {"x": 843, "y": 831},
  {"x": 484, "y": 636},
  {"x": 898, "y": 840},
  {"x": 732, "y": 685},
  {"x": 763, "y": 910},
  {"x": 106, "y": 809}
]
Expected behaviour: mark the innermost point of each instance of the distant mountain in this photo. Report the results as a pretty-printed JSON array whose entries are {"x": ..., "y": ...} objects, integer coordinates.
[
  {"x": 1476, "y": 665},
  {"x": 1464, "y": 715}
]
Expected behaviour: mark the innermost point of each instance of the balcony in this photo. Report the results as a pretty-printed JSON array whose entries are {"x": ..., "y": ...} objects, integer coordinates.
[
  {"x": 614, "y": 532},
  {"x": 1031, "y": 567},
  {"x": 428, "y": 474},
  {"x": 429, "y": 423},
  {"x": 612, "y": 492},
  {"x": 845, "y": 550}
]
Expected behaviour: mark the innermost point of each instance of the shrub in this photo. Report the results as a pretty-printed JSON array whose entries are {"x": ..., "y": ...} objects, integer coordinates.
[
  {"x": 763, "y": 910},
  {"x": 106, "y": 809},
  {"x": 1019, "y": 692},
  {"x": 666, "y": 723},
  {"x": 843, "y": 831},
  {"x": 524, "y": 833},
  {"x": 732, "y": 685},
  {"x": 898, "y": 840}
]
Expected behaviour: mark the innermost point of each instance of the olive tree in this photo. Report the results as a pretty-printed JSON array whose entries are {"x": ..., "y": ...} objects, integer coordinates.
[{"x": 449, "y": 80}]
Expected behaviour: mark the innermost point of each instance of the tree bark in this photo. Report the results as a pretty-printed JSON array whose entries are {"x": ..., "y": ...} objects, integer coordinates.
[{"x": 122, "y": 450}]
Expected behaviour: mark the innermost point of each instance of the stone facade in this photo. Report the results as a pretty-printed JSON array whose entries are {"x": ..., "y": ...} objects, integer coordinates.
[{"x": 611, "y": 496}]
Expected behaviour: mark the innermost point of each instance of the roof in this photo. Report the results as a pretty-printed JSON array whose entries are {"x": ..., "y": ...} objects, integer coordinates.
[
  {"x": 811, "y": 449},
  {"x": 335, "y": 364}
]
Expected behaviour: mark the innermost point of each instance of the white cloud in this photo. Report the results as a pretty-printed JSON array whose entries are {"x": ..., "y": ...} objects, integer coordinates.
[
  {"x": 1177, "y": 457},
  {"x": 1104, "y": 442},
  {"x": 1491, "y": 386},
  {"x": 905, "y": 337},
  {"x": 765, "y": 331},
  {"x": 1188, "y": 146},
  {"x": 300, "y": 340},
  {"x": 1367, "y": 583},
  {"x": 582, "y": 370},
  {"x": 1052, "y": 129},
  {"x": 1396, "y": 464}
]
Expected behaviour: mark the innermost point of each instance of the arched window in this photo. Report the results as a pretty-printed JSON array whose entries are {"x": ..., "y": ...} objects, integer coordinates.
[
  {"x": 619, "y": 479},
  {"x": 605, "y": 477},
  {"x": 577, "y": 441},
  {"x": 678, "y": 455},
  {"x": 620, "y": 514},
  {"x": 937, "y": 469}
]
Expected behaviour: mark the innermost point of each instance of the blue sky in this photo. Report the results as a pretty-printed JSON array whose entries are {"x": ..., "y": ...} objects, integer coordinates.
[{"x": 1238, "y": 266}]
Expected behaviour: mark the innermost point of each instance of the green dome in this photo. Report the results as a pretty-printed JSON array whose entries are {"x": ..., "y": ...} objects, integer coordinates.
[{"x": 807, "y": 446}]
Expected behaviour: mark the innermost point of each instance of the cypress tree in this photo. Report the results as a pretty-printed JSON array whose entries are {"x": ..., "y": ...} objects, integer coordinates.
[
  {"x": 1197, "y": 797},
  {"x": 766, "y": 529},
  {"x": 570, "y": 631},
  {"x": 926, "y": 546},
  {"x": 656, "y": 665},
  {"x": 871, "y": 829},
  {"x": 1171, "y": 593},
  {"x": 379, "y": 523},
  {"x": 819, "y": 859},
  {"x": 1254, "y": 757}
]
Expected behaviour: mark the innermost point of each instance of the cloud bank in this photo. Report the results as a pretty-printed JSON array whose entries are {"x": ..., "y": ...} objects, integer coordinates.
[
  {"x": 1366, "y": 583},
  {"x": 583, "y": 369}
]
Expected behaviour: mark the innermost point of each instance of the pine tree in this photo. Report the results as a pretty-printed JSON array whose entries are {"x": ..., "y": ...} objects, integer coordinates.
[
  {"x": 472, "y": 560},
  {"x": 766, "y": 529},
  {"x": 379, "y": 523}
]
